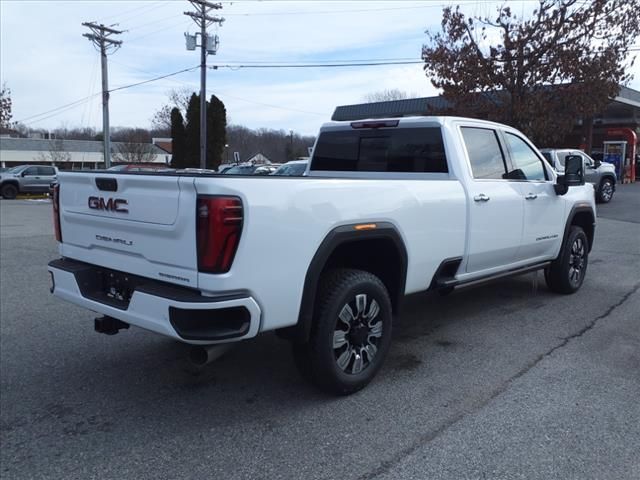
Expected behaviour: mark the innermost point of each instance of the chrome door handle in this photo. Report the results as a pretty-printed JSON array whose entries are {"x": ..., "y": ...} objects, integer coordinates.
[
  {"x": 481, "y": 198},
  {"x": 531, "y": 196}
]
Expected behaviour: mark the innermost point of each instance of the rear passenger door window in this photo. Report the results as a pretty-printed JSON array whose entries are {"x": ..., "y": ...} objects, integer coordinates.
[
  {"x": 46, "y": 171},
  {"x": 526, "y": 164},
  {"x": 485, "y": 154}
]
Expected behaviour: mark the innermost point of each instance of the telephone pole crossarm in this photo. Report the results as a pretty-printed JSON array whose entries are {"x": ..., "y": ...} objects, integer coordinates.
[{"x": 198, "y": 18}]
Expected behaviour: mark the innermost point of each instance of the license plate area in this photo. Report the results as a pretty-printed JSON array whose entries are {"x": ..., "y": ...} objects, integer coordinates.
[{"x": 108, "y": 286}]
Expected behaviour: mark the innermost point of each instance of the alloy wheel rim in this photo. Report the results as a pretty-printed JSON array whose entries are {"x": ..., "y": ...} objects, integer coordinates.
[
  {"x": 607, "y": 191},
  {"x": 357, "y": 335},
  {"x": 577, "y": 261}
]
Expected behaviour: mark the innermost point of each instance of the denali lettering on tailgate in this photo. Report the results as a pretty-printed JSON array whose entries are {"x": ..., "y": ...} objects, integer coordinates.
[
  {"x": 121, "y": 241},
  {"x": 111, "y": 204}
]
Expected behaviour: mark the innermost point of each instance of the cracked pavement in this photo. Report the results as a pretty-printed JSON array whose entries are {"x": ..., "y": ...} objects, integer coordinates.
[{"x": 501, "y": 381}]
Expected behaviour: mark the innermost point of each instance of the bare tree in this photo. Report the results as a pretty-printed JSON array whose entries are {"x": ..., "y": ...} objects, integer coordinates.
[
  {"x": 56, "y": 153},
  {"x": 388, "y": 95},
  {"x": 278, "y": 145},
  {"x": 178, "y": 98},
  {"x": 541, "y": 73},
  {"x": 133, "y": 149}
]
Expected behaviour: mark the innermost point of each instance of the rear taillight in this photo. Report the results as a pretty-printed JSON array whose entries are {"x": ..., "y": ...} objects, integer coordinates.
[
  {"x": 55, "y": 201},
  {"x": 218, "y": 229}
]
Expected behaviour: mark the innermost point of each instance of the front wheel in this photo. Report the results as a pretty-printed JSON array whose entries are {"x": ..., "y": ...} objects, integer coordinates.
[
  {"x": 566, "y": 273},
  {"x": 605, "y": 192},
  {"x": 9, "y": 191},
  {"x": 351, "y": 333}
]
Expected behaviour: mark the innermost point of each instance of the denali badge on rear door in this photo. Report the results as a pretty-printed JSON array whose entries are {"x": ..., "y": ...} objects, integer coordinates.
[{"x": 111, "y": 204}]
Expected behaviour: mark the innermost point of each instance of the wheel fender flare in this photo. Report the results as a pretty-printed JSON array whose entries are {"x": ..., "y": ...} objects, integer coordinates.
[
  {"x": 610, "y": 177},
  {"x": 577, "y": 209},
  {"x": 15, "y": 183},
  {"x": 335, "y": 238}
]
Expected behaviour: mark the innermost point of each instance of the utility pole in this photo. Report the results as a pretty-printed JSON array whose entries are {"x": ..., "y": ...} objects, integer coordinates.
[
  {"x": 99, "y": 36},
  {"x": 208, "y": 44}
]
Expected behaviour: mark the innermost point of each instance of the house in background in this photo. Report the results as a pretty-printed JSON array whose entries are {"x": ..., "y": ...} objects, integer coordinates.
[{"x": 165, "y": 144}]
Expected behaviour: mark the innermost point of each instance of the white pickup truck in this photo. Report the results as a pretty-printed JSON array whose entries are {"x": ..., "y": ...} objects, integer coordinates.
[{"x": 388, "y": 208}]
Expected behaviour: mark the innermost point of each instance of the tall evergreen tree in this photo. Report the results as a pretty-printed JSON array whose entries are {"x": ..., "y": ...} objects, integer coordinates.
[
  {"x": 192, "y": 137},
  {"x": 178, "y": 139},
  {"x": 216, "y": 132}
]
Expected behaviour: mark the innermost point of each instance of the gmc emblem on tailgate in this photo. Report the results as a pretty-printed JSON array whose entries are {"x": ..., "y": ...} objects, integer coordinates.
[{"x": 110, "y": 204}]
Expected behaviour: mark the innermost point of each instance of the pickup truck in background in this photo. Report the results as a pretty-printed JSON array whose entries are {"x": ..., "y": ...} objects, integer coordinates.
[
  {"x": 602, "y": 175},
  {"x": 26, "y": 179},
  {"x": 388, "y": 208}
]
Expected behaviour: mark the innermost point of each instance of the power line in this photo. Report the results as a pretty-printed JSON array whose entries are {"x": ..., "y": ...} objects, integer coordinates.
[
  {"x": 163, "y": 29},
  {"x": 317, "y": 65},
  {"x": 139, "y": 9},
  {"x": 338, "y": 12},
  {"x": 67, "y": 106},
  {"x": 321, "y": 61},
  {"x": 154, "y": 79},
  {"x": 224, "y": 93}
]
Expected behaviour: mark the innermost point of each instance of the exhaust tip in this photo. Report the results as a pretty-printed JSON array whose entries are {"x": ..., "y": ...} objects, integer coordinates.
[{"x": 199, "y": 356}]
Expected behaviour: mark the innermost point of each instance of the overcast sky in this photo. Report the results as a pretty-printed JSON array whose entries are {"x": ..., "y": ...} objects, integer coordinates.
[{"x": 47, "y": 63}]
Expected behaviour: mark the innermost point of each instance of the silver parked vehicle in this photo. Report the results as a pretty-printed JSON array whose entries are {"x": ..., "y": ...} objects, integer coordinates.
[
  {"x": 27, "y": 179},
  {"x": 601, "y": 174}
]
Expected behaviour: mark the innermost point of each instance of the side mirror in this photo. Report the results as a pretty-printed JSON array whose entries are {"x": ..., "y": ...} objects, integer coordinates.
[
  {"x": 24, "y": 173},
  {"x": 573, "y": 174}
]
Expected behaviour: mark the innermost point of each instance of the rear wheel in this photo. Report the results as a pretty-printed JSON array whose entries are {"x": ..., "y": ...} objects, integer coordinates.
[
  {"x": 605, "y": 192},
  {"x": 351, "y": 333},
  {"x": 567, "y": 272},
  {"x": 9, "y": 191}
]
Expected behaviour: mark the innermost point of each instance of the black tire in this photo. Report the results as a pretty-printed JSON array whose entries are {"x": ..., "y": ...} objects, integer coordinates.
[
  {"x": 566, "y": 273},
  {"x": 9, "y": 191},
  {"x": 347, "y": 347},
  {"x": 605, "y": 190}
]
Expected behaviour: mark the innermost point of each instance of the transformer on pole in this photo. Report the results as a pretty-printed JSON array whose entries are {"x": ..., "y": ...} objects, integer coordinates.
[{"x": 208, "y": 45}]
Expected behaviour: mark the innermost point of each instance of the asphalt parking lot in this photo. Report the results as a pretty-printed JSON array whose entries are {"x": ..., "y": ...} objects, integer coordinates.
[{"x": 502, "y": 381}]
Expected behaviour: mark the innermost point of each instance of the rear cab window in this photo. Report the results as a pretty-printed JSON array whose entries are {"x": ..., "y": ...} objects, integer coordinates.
[{"x": 398, "y": 150}]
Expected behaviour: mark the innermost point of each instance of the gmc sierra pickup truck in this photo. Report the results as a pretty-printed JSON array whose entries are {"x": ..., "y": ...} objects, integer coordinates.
[{"x": 388, "y": 208}]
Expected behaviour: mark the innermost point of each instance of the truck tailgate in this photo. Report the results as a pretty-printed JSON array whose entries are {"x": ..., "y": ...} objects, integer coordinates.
[{"x": 139, "y": 224}]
